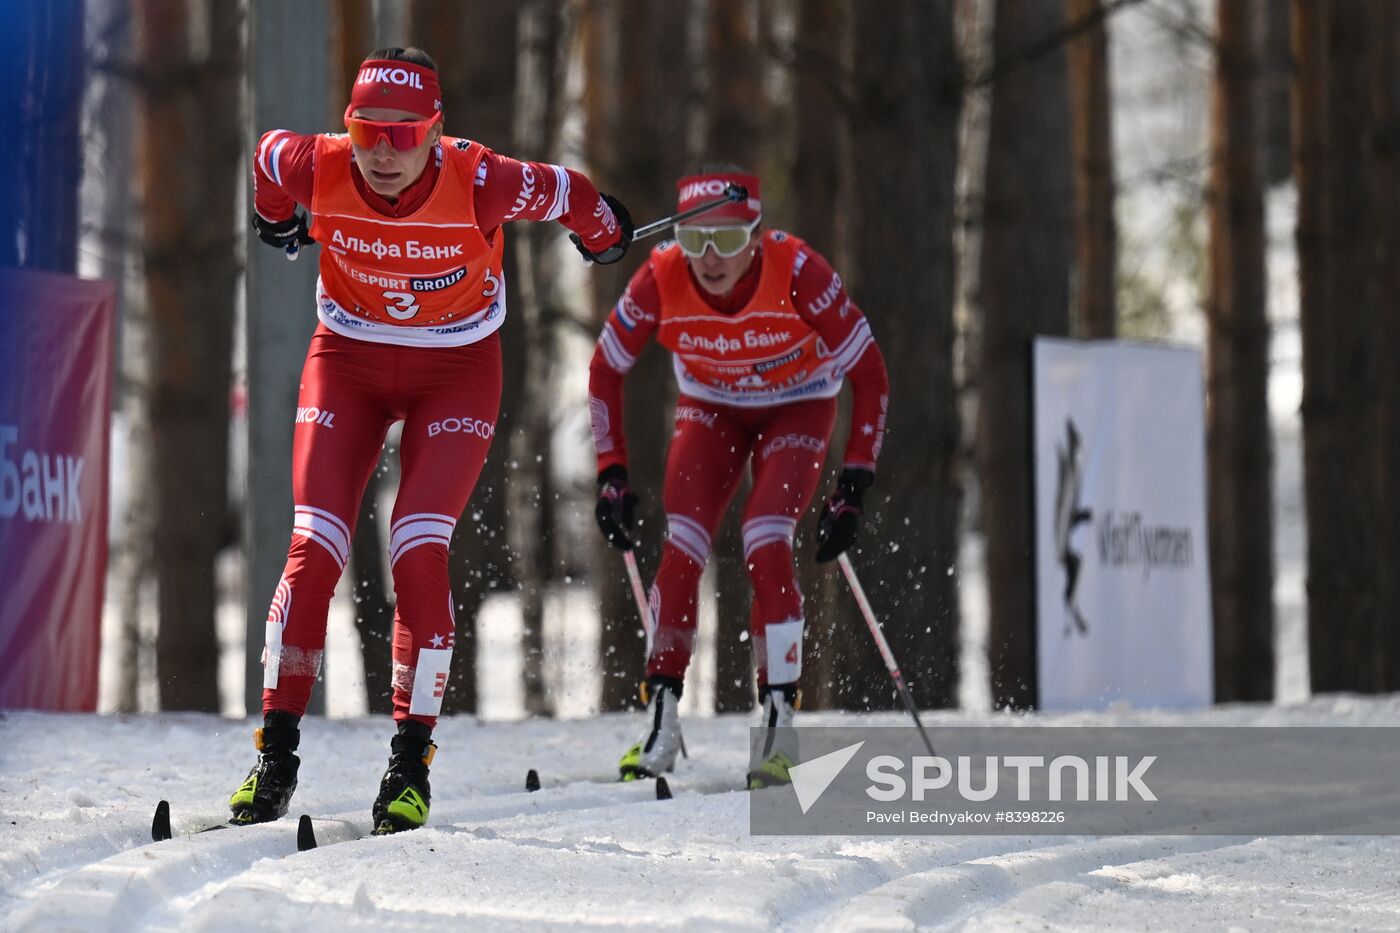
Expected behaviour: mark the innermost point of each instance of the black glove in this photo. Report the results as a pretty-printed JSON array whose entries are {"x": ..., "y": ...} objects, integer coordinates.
[
  {"x": 285, "y": 233},
  {"x": 616, "y": 503},
  {"x": 840, "y": 519},
  {"x": 617, "y": 250}
]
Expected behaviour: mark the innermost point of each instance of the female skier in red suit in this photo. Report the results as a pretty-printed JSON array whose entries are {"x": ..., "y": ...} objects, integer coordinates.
[
  {"x": 410, "y": 296},
  {"x": 762, "y": 335}
]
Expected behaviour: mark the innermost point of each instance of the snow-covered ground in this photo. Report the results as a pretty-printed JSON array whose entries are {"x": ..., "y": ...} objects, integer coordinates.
[
  {"x": 80, "y": 790},
  {"x": 75, "y": 817}
]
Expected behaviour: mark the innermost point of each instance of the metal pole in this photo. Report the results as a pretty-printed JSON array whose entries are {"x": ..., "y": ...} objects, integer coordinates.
[
  {"x": 884, "y": 646},
  {"x": 639, "y": 594},
  {"x": 732, "y": 194}
]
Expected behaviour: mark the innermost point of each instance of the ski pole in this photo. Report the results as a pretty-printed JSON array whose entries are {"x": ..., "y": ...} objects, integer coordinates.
[
  {"x": 638, "y": 593},
  {"x": 643, "y": 608},
  {"x": 883, "y": 645},
  {"x": 732, "y": 194}
]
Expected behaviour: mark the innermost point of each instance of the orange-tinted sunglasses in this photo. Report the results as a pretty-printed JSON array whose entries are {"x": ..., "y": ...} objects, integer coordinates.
[{"x": 401, "y": 136}]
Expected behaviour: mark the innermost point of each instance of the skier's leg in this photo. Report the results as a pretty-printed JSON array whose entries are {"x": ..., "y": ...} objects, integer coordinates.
[
  {"x": 341, "y": 423},
  {"x": 447, "y": 431},
  {"x": 340, "y": 427},
  {"x": 703, "y": 467},
  {"x": 788, "y": 456},
  {"x": 446, "y": 436},
  {"x": 787, "y": 463}
]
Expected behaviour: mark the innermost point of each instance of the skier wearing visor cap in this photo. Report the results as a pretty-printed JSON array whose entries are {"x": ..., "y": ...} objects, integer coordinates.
[
  {"x": 410, "y": 295},
  {"x": 762, "y": 335}
]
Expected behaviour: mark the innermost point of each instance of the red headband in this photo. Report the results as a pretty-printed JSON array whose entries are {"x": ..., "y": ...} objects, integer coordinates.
[
  {"x": 695, "y": 190},
  {"x": 397, "y": 86}
]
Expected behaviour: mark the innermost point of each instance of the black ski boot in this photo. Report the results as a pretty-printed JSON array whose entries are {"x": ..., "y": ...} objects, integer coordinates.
[
  {"x": 404, "y": 794},
  {"x": 267, "y": 791}
]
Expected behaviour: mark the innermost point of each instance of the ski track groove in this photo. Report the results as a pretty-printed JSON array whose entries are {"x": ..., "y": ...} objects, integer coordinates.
[
  {"x": 83, "y": 868},
  {"x": 68, "y": 854},
  {"x": 927, "y": 890},
  {"x": 158, "y": 885},
  {"x": 53, "y": 863},
  {"x": 937, "y": 897},
  {"x": 134, "y": 886},
  {"x": 470, "y": 823},
  {"x": 899, "y": 903}
]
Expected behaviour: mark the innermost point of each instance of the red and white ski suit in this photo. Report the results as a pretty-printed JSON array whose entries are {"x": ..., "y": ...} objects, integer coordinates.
[
  {"x": 759, "y": 370},
  {"x": 410, "y": 296}
]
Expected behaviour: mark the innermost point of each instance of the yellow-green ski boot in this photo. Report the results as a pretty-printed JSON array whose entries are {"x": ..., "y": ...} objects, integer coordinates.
[
  {"x": 266, "y": 792},
  {"x": 778, "y": 753},
  {"x": 404, "y": 794}
]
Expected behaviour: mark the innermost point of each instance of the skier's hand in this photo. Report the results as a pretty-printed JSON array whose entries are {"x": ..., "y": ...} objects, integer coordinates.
[
  {"x": 616, "y": 503},
  {"x": 284, "y": 234},
  {"x": 624, "y": 235},
  {"x": 840, "y": 519}
]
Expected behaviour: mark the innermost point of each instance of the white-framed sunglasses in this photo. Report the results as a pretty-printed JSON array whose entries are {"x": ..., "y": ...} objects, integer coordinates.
[{"x": 729, "y": 240}]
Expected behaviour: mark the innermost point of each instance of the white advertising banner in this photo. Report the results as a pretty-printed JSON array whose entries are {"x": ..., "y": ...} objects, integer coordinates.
[{"x": 1122, "y": 570}]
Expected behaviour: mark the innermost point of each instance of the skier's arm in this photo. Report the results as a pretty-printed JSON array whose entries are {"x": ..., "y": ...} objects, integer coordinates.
[
  {"x": 508, "y": 189},
  {"x": 624, "y": 336},
  {"x": 283, "y": 171},
  {"x": 845, "y": 330}
]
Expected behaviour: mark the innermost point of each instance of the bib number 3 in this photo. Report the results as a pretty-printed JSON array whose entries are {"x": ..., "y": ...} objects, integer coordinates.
[{"x": 405, "y": 305}]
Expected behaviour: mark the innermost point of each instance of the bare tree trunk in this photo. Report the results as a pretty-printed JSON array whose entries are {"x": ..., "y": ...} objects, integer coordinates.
[
  {"x": 1339, "y": 356},
  {"x": 134, "y": 560},
  {"x": 286, "y": 50},
  {"x": 1385, "y": 168},
  {"x": 1275, "y": 80},
  {"x": 821, "y": 63},
  {"x": 734, "y": 106},
  {"x": 351, "y": 39},
  {"x": 1096, "y": 233},
  {"x": 777, "y": 136},
  {"x": 189, "y": 182},
  {"x": 908, "y": 94},
  {"x": 107, "y": 170},
  {"x": 528, "y": 493},
  {"x": 637, "y": 123},
  {"x": 545, "y": 34},
  {"x": 474, "y": 44},
  {"x": 1025, "y": 265},
  {"x": 1240, "y": 458},
  {"x": 1309, "y": 117}
]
